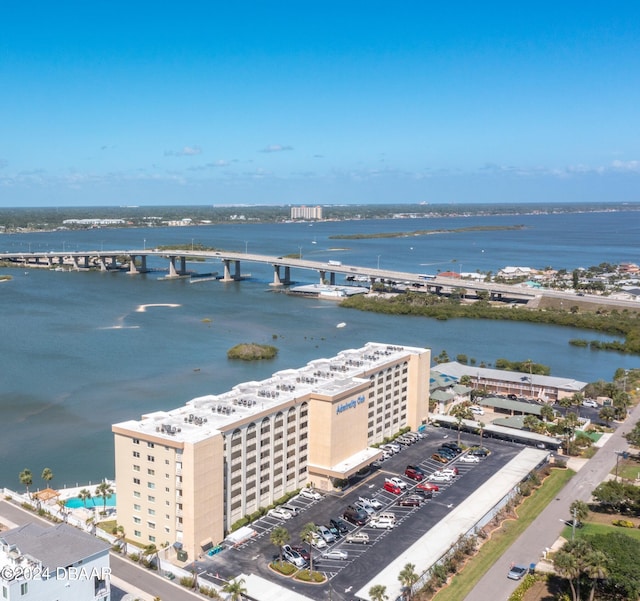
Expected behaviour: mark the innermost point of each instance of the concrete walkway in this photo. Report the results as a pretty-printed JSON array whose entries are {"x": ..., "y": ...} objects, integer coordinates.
[{"x": 545, "y": 530}]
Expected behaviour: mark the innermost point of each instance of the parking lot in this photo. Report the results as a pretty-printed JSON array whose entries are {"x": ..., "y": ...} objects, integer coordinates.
[{"x": 362, "y": 560}]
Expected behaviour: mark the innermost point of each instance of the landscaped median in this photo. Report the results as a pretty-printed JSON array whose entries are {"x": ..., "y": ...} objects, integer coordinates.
[{"x": 504, "y": 536}]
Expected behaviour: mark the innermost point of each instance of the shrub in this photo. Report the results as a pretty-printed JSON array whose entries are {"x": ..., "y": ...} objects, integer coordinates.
[
  {"x": 623, "y": 523},
  {"x": 307, "y": 576},
  {"x": 283, "y": 567},
  {"x": 239, "y": 524},
  {"x": 209, "y": 591},
  {"x": 187, "y": 581}
]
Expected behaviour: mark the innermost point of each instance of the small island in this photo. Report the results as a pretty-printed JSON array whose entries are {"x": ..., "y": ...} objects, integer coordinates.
[{"x": 252, "y": 352}]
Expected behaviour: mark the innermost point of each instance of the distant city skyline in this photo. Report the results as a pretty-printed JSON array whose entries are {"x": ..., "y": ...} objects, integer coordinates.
[{"x": 330, "y": 103}]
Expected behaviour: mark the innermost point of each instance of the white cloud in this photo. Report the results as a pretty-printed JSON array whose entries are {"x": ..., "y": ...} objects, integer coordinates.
[
  {"x": 187, "y": 151},
  {"x": 276, "y": 148}
]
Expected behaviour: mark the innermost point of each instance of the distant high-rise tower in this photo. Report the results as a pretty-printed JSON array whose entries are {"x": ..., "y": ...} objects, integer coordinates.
[{"x": 304, "y": 212}]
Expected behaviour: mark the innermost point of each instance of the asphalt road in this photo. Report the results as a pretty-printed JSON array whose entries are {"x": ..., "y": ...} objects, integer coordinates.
[{"x": 546, "y": 528}]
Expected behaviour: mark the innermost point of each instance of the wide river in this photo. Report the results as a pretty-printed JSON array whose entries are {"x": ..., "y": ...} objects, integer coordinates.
[{"x": 83, "y": 350}]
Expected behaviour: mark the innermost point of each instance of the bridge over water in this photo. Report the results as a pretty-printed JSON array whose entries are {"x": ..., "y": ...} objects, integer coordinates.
[{"x": 232, "y": 263}]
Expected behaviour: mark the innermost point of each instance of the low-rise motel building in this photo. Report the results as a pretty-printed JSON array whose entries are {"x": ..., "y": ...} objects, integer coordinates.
[{"x": 185, "y": 476}]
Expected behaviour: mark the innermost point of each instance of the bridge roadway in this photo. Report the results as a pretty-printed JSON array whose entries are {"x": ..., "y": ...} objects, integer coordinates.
[{"x": 107, "y": 260}]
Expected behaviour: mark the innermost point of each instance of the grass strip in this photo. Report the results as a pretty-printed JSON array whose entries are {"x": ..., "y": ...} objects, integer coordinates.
[{"x": 502, "y": 538}]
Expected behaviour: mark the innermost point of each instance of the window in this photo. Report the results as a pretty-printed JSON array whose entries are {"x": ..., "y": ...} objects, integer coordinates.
[
  {"x": 150, "y": 458},
  {"x": 136, "y": 507},
  {"x": 167, "y": 489},
  {"x": 136, "y": 480},
  {"x": 151, "y": 472},
  {"x": 24, "y": 588},
  {"x": 137, "y": 533},
  {"x": 167, "y": 530},
  {"x": 166, "y": 462},
  {"x": 136, "y": 453},
  {"x": 151, "y": 499},
  {"x": 136, "y": 441},
  {"x": 152, "y": 539},
  {"x": 152, "y": 525},
  {"x": 151, "y": 484},
  {"x": 150, "y": 445},
  {"x": 151, "y": 511},
  {"x": 136, "y": 494},
  {"x": 136, "y": 468},
  {"x": 136, "y": 520}
]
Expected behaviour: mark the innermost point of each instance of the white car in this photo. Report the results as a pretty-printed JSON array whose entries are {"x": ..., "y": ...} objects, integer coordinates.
[
  {"x": 469, "y": 459},
  {"x": 399, "y": 482},
  {"x": 590, "y": 403},
  {"x": 372, "y": 502},
  {"x": 335, "y": 554},
  {"x": 279, "y": 513},
  {"x": 317, "y": 541},
  {"x": 382, "y": 522},
  {"x": 309, "y": 493},
  {"x": 447, "y": 471},
  {"x": 439, "y": 477},
  {"x": 476, "y": 410}
]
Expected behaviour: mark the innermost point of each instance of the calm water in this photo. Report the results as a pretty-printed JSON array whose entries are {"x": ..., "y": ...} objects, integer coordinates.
[{"x": 79, "y": 355}]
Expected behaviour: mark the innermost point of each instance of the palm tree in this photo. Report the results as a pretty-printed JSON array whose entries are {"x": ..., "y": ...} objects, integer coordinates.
[
  {"x": 378, "y": 592},
  {"x": 408, "y": 577},
  {"x": 26, "y": 479},
  {"x": 84, "y": 495},
  {"x": 481, "y": 425},
  {"x": 119, "y": 533},
  {"x": 104, "y": 490},
  {"x": 151, "y": 551},
  {"x": 62, "y": 507},
  {"x": 306, "y": 535},
  {"x": 566, "y": 566},
  {"x": 47, "y": 475},
  {"x": 547, "y": 413},
  {"x": 279, "y": 537},
  {"x": 235, "y": 588},
  {"x": 596, "y": 568},
  {"x": 460, "y": 412}
]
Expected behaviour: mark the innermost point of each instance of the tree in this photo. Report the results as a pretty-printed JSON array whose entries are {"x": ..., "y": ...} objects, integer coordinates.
[
  {"x": 532, "y": 423},
  {"x": 104, "y": 490},
  {"x": 547, "y": 413},
  {"x": 481, "y": 426},
  {"x": 607, "y": 414},
  {"x": 84, "y": 495},
  {"x": 47, "y": 475},
  {"x": 62, "y": 507},
  {"x": 120, "y": 535},
  {"x": 596, "y": 568},
  {"x": 280, "y": 537},
  {"x": 235, "y": 588},
  {"x": 579, "y": 510},
  {"x": 378, "y": 592},
  {"x": 460, "y": 412},
  {"x": 566, "y": 566},
  {"x": 408, "y": 577},
  {"x": 306, "y": 536},
  {"x": 26, "y": 479},
  {"x": 151, "y": 551}
]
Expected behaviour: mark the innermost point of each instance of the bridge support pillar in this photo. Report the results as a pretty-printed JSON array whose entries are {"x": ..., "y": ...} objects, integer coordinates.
[
  {"x": 332, "y": 278},
  {"x": 287, "y": 274},
  {"x": 227, "y": 277},
  {"x": 323, "y": 273},
  {"x": 103, "y": 263},
  {"x": 276, "y": 276},
  {"x": 133, "y": 269}
]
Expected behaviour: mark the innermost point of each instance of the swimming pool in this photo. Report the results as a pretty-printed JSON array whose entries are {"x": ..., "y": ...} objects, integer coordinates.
[{"x": 76, "y": 502}]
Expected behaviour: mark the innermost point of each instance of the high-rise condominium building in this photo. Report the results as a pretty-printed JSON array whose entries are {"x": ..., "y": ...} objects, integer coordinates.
[
  {"x": 306, "y": 212},
  {"x": 185, "y": 476}
]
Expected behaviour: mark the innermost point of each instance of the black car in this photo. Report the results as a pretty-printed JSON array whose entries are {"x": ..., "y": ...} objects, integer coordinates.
[
  {"x": 356, "y": 516},
  {"x": 479, "y": 451},
  {"x": 453, "y": 446},
  {"x": 333, "y": 530},
  {"x": 424, "y": 494},
  {"x": 410, "y": 501},
  {"x": 339, "y": 525}
]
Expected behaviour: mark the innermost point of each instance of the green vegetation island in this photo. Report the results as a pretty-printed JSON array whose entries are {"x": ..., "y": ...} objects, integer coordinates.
[{"x": 250, "y": 351}]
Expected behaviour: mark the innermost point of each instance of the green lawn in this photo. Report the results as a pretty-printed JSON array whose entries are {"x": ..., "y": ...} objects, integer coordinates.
[
  {"x": 464, "y": 581},
  {"x": 590, "y": 529}
]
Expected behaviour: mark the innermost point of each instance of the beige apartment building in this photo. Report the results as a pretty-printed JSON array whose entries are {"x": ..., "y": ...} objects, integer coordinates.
[
  {"x": 304, "y": 212},
  {"x": 186, "y": 475}
]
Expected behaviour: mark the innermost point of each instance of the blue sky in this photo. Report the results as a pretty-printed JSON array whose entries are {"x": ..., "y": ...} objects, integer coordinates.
[{"x": 136, "y": 103}]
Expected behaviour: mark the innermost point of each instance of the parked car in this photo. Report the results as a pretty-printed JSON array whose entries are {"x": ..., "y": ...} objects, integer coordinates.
[
  {"x": 453, "y": 446},
  {"x": 365, "y": 507},
  {"x": 399, "y": 482},
  {"x": 358, "y": 537},
  {"x": 446, "y": 452},
  {"x": 326, "y": 534},
  {"x": 356, "y": 516},
  {"x": 309, "y": 493},
  {"x": 293, "y": 556},
  {"x": 334, "y": 531},
  {"x": 392, "y": 488},
  {"x": 414, "y": 473},
  {"x": 590, "y": 403},
  {"x": 317, "y": 541},
  {"x": 279, "y": 513},
  {"x": 304, "y": 553},
  {"x": 438, "y": 477},
  {"x": 476, "y": 410},
  {"x": 516, "y": 572},
  {"x": 371, "y": 501},
  {"x": 335, "y": 554},
  {"x": 440, "y": 458},
  {"x": 405, "y": 440},
  {"x": 428, "y": 487},
  {"x": 396, "y": 448},
  {"x": 470, "y": 459},
  {"x": 423, "y": 494},
  {"x": 412, "y": 501},
  {"x": 452, "y": 471},
  {"x": 479, "y": 451},
  {"x": 382, "y": 522},
  {"x": 339, "y": 524},
  {"x": 292, "y": 509}
]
